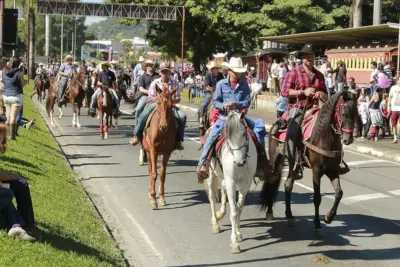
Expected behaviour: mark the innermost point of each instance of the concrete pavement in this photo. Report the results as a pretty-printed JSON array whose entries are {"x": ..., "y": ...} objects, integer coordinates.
[{"x": 365, "y": 232}]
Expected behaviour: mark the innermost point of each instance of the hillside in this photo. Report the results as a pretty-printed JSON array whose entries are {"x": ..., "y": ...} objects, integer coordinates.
[{"x": 110, "y": 29}]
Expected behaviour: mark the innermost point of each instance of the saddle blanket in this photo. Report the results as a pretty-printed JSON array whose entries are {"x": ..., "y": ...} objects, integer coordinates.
[{"x": 307, "y": 126}]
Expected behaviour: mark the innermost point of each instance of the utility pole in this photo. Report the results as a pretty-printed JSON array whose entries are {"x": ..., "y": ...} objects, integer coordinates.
[
  {"x": 47, "y": 36},
  {"x": 15, "y": 6},
  {"x": 2, "y": 2},
  {"x": 75, "y": 40},
  {"x": 377, "y": 12},
  {"x": 72, "y": 43},
  {"x": 183, "y": 40},
  {"x": 62, "y": 38}
]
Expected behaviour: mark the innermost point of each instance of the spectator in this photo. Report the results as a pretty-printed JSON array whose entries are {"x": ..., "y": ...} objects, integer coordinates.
[
  {"x": 282, "y": 73},
  {"x": 190, "y": 83},
  {"x": 253, "y": 72},
  {"x": 281, "y": 105},
  {"x": 340, "y": 79},
  {"x": 382, "y": 79},
  {"x": 274, "y": 77},
  {"x": 385, "y": 113},
  {"x": 13, "y": 80},
  {"x": 256, "y": 89},
  {"x": 374, "y": 67},
  {"x": 352, "y": 83},
  {"x": 329, "y": 78},
  {"x": 375, "y": 113},
  {"x": 388, "y": 70},
  {"x": 292, "y": 65},
  {"x": 364, "y": 118},
  {"x": 394, "y": 109}
]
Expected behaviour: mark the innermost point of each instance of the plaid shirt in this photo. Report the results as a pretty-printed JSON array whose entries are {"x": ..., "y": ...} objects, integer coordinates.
[
  {"x": 152, "y": 92},
  {"x": 298, "y": 79}
]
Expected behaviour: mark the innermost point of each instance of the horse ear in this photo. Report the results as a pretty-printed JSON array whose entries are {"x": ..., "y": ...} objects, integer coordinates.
[
  {"x": 242, "y": 115},
  {"x": 158, "y": 89}
]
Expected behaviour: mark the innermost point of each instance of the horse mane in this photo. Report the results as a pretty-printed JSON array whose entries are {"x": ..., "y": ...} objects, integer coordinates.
[
  {"x": 232, "y": 126},
  {"x": 324, "y": 120}
]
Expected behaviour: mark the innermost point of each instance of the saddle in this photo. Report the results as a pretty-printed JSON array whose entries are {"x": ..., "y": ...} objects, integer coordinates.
[{"x": 310, "y": 117}]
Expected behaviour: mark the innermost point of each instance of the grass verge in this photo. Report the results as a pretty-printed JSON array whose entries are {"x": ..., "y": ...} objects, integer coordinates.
[{"x": 73, "y": 233}]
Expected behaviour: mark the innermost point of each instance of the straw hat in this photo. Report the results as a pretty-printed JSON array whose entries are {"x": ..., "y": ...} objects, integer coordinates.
[
  {"x": 212, "y": 65},
  {"x": 68, "y": 57},
  {"x": 141, "y": 59},
  {"x": 236, "y": 65},
  {"x": 147, "y": 63},
  {"x": 165, "y": 66},
  {"x": 106, "y": 64}
]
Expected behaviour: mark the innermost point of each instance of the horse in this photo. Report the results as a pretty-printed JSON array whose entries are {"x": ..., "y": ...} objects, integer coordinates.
[
  {"x": 105, "y": 107},
  {"x": 160, "y": 139},
  {"x": 207, "y": 118},
  {"x": 323, "y": 154},
  {"x": 90, "y": 85},
  {"x": 75, "y": 93},
  {"x": 235, "y": 164},
  {"x": 41, "y": 84}
]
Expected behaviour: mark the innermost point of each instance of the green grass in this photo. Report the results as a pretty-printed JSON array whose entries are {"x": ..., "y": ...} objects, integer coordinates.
[
  {"x": 73, "y": 233},
  {"x": 185, "y": 95}
]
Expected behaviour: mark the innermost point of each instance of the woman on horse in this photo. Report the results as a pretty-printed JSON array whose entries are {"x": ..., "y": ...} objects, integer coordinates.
[
  {"x": 106, "y": 78},
  {"x": 65, "y": 72},
  {"x": 231, "y": 93},
  {"x": 39, "y": 72},
  {"x": 165, "y": 80}
]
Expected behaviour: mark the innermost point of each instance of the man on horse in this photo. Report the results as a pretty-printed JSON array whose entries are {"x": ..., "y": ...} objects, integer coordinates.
[
  {"x": 137, "y": 69},
  {"x": 231, "y": 93},
  {"x": 303, "y": 86},
  {"x": 106, "y": 78},
  {"x": 82, "y": 67},
  {"x": 210, "y": 81},
  {"x": 165, "y": 80},
  {"x": 144, "y": 82},
  {"x": 39, "y": 71},
  {"x": 67, "y": 69}
]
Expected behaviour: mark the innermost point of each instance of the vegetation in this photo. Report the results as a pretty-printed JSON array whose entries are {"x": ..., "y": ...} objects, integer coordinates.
[
  {"x": 73, "y": 233},
  {"x": 110, "y": 29}
]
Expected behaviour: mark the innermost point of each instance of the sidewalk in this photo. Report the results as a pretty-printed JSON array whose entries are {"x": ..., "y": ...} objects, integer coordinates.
[{"x": 383, "y": 148}]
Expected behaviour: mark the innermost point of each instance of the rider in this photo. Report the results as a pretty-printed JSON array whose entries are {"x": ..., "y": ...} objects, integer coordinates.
[
  {"x": 107, "y": 78},
  {"x": 56, "y": 68},
  {"x": 166, "y": 79},
  {"x": 65, "y": 71},
  {"x": 137, "y": 69},
  {"x": 303, "y": 85},
  {"x": 210, "y": 81},
  {"x": 39, "y": 71},
  {"x": 145, "y": 81},
  {"x": 231, "y": 93},
  {"x": 83, "y": 67}
]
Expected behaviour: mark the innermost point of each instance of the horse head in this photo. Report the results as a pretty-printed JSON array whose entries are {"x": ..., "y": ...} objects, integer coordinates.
[
  {"x": 346, "y": 115},
  {"x": 164, "y": 110}
]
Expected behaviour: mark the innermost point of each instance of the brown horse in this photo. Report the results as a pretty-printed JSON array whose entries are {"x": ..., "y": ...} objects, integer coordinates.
[
  {"x": 74, "y": 94},
  {"x": 160, "y": 139},
  {"x": 335, "y": 123},
  {"x": 41, "y": 85},
  {"x": 207, "y": 118},
  {"x": 105, "y": 105}
]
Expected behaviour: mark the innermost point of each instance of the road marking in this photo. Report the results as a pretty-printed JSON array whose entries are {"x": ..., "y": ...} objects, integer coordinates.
[
  {"x": 142, "y": 232},
  {"x": 395, "y": 192},
  {"x": 358, "y": 198},
  {"x": 361, "y": 162}
]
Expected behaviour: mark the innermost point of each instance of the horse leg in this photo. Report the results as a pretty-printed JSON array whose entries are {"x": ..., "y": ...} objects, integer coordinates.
[
  {"x": 318, "y": 232},
  {"x": 212, "y": 191},
  {"x": 153, "y": 178},
  {"x": 335, "y": 180},
  {"x": 74, "y": 116},
  {"x": 161, "y": 190},
  {"x": 221, "y": 213},
  {"x": 240, "y": 205},
  {"x": 101, "y": 124},
  {"x": 288, "y": 193},
  {"x": 106, "y": 125},
  {"x": 61, "y": 113},
  {"x": 141, "y": 155},
  {"x": 231, "y": 190},
  {"x": 78, "y": 114}
]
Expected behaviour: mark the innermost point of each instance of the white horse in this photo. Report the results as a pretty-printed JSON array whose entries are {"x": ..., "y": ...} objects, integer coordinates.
[{"x": 236, "y": 166}]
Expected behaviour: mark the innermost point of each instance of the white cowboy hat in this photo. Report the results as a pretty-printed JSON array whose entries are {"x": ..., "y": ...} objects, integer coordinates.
[
  {"x": 141, "y": 59},
  {"x": 165, "y": 66},
  {"x": 236, "y": 65},
  {"x": 105, "y": 64},
  {"x": 41, "y": 64},
  {"x": 148, "y": 62},
  {"x": 68, "y": 57},
  {"x": 113, "y": 62},
  {"x": 252, "y": 68},
  {"x": 212, "y": 65}
]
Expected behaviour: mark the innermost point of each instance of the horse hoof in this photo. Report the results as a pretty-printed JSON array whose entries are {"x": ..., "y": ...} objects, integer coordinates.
[
  {"x": 141, "y": 163},
  {"x": 153, "y": 205},
  {"x": 270, "y": 216},
  {"x": 79, "y": 126},
  {"x": 74, "y": 125},
  {"x": 292, "y": 222},
  {"x": 235, "y": 249},
  {"x": 319, "y": 233},
  {"x": 220, "y": 215},
  {"x": 105, "y": 136},
  {"x": 239, "y": 237},
  {"x": 327, "y": 220},
  {"x": 216, "y": 229},
  {"x": 162, "y": 203}
]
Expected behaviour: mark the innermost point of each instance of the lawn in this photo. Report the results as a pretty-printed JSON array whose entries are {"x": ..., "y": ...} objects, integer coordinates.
[
  {"x": 73, "y": 233},
  {"x": 185, "y": 95}
]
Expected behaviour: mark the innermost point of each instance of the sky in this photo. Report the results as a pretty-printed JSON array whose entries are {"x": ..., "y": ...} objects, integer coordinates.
[{"x": 91, "y": 20}]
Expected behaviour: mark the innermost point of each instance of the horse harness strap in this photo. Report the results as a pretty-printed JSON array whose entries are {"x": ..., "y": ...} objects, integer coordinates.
[{"x": 329, "y": 154}]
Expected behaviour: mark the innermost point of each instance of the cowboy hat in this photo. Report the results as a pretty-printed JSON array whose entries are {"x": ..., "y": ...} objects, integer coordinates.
[
  {"x": 68, "y": 57},
  {"x": 236, "y": 65},
  {"x": 105, "y": 64},
  {"x": 148, "y": 62},
  {"x": 307, "y": 49},
  {"x": 165, "y": 66},
  {"x": 113, "y": 62},
  {"x": 212, "y": 65},
  {"x": 41, "y": 64},
  {"x": 252, "y": 68},
  {"x": 141, "y": 59}
]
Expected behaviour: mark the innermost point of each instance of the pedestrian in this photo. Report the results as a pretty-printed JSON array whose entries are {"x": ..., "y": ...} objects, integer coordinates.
[
  {"x": 13, "y": 79},
  {"x": 382, "y": 79},
  {"x": 340, "y": 79},
  {"x": 375, "y": 112},
  {"x": 256, "y": 89},
  {"x": 281, "y": 105},
  {"x": 364, "y": 117},
  {"x": 384, "y": 109},
  {"x": 190, "y": 83},
  {"x": 282, "y": 73},
  {"x": 329, "y": 79},
  {"x": 374, "y": 71},
  {"x": 275, "y": 76},
  {"x": 394, "y": 109},
  {"x": 388, "y": 70}
]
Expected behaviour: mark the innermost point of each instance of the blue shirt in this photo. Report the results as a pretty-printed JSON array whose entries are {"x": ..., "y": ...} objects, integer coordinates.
[
  {"x": 67, "y": 68},
  {"x": 281, "y": 103},
  {"x": 137, "y": 70},
  {"x": 224, "y": 93}
]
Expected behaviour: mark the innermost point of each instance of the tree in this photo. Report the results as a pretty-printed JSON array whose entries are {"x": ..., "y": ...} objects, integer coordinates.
[{"x": 357, "y": 12}]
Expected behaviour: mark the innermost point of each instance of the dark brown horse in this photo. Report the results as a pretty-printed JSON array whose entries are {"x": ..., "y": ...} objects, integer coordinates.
[
  {"x": 105, "y": 105},
  {"x": 323, "y": 152},
  {"x": 160, "y": 139},
  {"x": 75, "y": 93},
  {"x": 207, "y": 118},
  {"x": 41, "y": 85}
]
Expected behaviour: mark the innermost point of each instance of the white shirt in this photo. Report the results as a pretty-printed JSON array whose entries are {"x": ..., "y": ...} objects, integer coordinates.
[
  {"x": 256, "y": 87},
  {"x": 373, "y": 73},
  {"x": 39, "y": 70},
  {"x": 275, "y": 70},
  {"x": 394, "y": 97},
  {"x": 190, "y": 82}
]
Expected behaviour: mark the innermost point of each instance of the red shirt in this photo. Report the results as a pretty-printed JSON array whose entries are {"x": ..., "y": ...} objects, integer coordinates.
[{"x": 298, "y": 79}]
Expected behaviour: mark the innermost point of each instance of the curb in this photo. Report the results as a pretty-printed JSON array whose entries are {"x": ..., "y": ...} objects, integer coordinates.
[{"x": 353, "y": 147}]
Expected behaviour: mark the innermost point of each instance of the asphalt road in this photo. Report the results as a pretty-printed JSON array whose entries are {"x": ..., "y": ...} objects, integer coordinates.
[{"x": 365, "y": 231}]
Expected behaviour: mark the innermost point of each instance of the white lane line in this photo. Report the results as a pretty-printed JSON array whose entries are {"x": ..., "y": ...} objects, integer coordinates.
[
  {"x": 136, "y": 224},
  {"x": 395, "y": 192},
  {"x": 355, "y": 199},
  {"x": 361, "y": 162}
]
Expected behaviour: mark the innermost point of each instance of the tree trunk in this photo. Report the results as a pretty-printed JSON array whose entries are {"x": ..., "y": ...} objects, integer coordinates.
[
  {"x": 31, "y": 71},
  {"x": 377, "y": 12},
  {"x": 196, "y": 61},
  {"x": 357, "y": 15}
]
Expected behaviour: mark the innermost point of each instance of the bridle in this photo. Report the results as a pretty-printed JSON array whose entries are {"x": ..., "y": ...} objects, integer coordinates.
[
  {"x": 338, "y": 126},
  {"x": 245, "y": 145}
]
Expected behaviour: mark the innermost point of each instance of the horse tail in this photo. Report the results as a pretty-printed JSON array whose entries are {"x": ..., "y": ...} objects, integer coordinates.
[
  {"x": 48, "y": 104},
  {"x": 270, "y": 189}
]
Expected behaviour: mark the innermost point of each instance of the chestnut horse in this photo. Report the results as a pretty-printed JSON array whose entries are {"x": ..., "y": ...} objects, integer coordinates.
[
  {"x": 105, "y": 105},
  {"x": 160, "y": 139},
  {"x": 335, "y": 120},
  {"x": 75, "y": 94},
  {"x": 41, "y": 84}
]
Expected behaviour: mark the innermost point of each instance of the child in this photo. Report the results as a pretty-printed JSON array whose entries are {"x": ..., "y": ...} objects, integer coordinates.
[{"x": 386, "y": 115}]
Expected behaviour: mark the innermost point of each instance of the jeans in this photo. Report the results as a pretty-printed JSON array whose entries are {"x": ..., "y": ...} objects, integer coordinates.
[
  {"x": 257, "y": 126},
  {"x": 141, "y": 124},
  {"x": 22, "y": 194},
  {"x": 141, "y": 103},
  {"x": 96, "y": 94},
  {"x": 7, "y": 208},
  {"x": 206, "y": 101},
  {"x": 294, "y": 134},
  {"x": 61, "y": 92}
]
